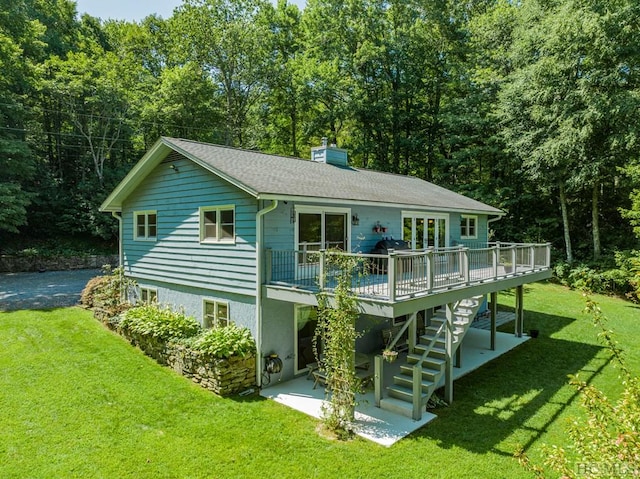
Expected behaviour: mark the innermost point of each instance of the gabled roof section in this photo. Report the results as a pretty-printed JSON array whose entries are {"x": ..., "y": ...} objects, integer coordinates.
[{"x": 277, "y": 177}]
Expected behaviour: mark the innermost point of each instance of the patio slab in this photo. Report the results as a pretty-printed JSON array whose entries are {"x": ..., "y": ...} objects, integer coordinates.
[{"x": 378, "y": 425}]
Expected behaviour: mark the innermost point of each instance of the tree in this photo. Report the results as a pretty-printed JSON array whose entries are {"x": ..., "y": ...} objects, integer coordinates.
[
  {"x": 570, "y": 103},
  {"x": 286, "y": 102},
  {"x": 227, "y": 40},
  {"x": 20, "y": 46}
]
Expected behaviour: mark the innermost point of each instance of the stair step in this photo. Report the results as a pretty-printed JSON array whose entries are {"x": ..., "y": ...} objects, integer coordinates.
[
  {"x": 428, "y": 373},
  {"x": 432, "y": 362},
  {"x": 407, "y": 381},
  {"x": 436, "y": 324},
  {"x": 405, "y": 393},
  {"x": 397, "y": 406}
]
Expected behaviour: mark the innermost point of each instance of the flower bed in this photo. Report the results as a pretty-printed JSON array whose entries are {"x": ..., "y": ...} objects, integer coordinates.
[{"x": 222, "y": 375}]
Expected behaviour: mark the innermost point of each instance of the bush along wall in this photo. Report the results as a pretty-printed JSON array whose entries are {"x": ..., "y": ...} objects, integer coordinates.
[{"x": 220, "y": 360}]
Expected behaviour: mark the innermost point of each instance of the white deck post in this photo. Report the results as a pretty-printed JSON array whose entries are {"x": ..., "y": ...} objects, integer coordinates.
[
  {"x": 532, "y": 254},
  {"x": 496, "y": 260},
  {"x": 430, "y": 269},
  {"x": 465, "y": 264},
  {"x": 391, "y": 273},
  {"x": 448, "y": 371},
  {"x": 514, "y": 259}
]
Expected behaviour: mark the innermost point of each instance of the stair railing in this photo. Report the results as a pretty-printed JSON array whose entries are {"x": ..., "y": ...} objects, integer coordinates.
[
  {"x": 378, "y": 376},
  {"x": 417, "y": 374}
]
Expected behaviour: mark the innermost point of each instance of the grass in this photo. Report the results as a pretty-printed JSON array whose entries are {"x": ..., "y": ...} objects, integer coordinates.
[{"x": 78, "y": 401}]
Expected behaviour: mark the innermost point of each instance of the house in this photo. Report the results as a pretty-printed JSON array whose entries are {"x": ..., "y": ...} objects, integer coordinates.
[{"x": 240, "y": 236}]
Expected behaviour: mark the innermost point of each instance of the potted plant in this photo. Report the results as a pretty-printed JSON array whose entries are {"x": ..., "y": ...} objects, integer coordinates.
[{"x": 390, "y": 355}]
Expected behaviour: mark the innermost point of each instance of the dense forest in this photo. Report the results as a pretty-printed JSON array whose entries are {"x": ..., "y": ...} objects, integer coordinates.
[{"x": 531, "y": 106}]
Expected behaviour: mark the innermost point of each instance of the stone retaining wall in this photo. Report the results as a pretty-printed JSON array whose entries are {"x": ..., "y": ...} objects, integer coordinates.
[
  {"x": 222, "y": 376},
  {"x": 18, "y": 264}
]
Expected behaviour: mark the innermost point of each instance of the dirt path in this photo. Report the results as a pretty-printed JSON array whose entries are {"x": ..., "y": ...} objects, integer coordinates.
[{"x": 51, "y": 289}]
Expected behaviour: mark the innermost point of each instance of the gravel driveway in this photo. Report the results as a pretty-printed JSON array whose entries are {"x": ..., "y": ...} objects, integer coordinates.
[{"x": 51, "y": 289}]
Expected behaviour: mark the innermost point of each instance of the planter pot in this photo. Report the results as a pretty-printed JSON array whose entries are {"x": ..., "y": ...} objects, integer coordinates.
[
  {"x": 390, "y": 356},
  {"x": 534, "y": 333}
]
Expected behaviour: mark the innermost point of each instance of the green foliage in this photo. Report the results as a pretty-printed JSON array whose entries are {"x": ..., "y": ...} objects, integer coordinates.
[
  {"x": 160, "y": 322},
  {"x": 108, "y": 292},
  {"x": 605, "y": 443},
  {"x": 619, "y": 275},
  {"x": 335, "y": 337},
  {"x": 224, "y": 343}
]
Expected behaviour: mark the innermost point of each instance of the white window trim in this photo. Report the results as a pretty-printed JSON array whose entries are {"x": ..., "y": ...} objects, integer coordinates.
[
  {"x": 146, "y": 214},
  {"x": 322, "y": 210},
  {"x": 218, "y": 239},
  {"x": 149, "y": 291},
  {"x": 216, "y": 303},
  {"x": 475, "y": 229}
]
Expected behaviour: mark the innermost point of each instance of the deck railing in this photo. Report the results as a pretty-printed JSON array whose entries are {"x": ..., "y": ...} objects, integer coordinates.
[{"x": 407, "y": 273}]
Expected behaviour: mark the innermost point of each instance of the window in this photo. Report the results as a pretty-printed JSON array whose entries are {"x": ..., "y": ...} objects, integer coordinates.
[
  {"x": 425, "y": 230},
  {"x": 217, "y": 224},
  {"x": 468, "y": 227},
  {"x": 146, "y": 225},
  {"x": 148, "y": 295},
  {"x": 321, "y": 229},
  {"x": 216, "y": 314}
]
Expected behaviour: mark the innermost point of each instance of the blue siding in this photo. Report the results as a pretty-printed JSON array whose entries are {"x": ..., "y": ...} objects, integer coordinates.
[
  {"x": 177, "y": 255},
  {"x": 280, "y": 231},
  {"x": 242, "y": 310}
]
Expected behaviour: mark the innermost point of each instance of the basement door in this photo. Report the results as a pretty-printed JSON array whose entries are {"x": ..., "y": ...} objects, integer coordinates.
[{"x": 306, "y": 321}]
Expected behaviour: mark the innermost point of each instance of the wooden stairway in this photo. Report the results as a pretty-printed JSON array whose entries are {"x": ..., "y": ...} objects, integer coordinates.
[{"x": 431, "y": 354}]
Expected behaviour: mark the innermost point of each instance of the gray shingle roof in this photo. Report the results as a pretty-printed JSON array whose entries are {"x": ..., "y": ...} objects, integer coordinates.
[{"x": 271, "y": 175}]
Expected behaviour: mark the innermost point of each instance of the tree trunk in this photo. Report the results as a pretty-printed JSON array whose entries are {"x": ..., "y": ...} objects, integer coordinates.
[
  {"x": 595, "y": 228},
  {"x": 565, "y": 223}
]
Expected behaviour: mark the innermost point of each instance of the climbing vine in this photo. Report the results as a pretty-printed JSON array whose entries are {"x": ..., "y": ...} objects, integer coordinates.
[{"x": 335, "y": 338}]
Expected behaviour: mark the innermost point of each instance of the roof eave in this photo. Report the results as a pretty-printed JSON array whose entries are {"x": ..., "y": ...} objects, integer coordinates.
[
  {"x": 138, "y": 173},
  {"x": 316, "y": 199},
  {"x": 215, "y": 171}
]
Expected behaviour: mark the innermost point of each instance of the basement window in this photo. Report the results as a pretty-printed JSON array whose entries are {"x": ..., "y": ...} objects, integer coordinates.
[
  {"x": 216, "y": 314},
  {"x": 148, "y": 295}
]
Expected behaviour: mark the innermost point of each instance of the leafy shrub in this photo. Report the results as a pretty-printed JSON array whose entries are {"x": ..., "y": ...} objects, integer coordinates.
[
  {"x": 619, "y": 275},
  {"x": 88, "y": 296},
  {"x": 224, "y": 342},
  {"x": 108, "y": 292},
  {"x": 159, "y": 322}
]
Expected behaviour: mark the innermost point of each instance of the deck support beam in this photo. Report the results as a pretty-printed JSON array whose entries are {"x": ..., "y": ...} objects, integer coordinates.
[
  {"x": 448, "y": 367},
  {"x": 493, "y": 308},
  {"x": 413, "y": 332},
  {"x": 519, "y": 311}
]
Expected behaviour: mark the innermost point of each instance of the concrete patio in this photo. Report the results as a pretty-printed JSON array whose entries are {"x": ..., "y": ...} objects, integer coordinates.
[{"x": 378, "y": 425}]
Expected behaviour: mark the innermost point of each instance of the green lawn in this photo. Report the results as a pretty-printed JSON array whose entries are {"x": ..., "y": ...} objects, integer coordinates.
[{"x": 78, "y": 401}]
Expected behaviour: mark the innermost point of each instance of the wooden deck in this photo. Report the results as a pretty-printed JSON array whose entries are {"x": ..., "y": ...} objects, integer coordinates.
[{"x": 397, "y": 277}]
